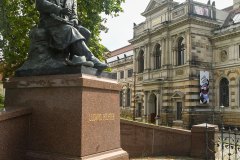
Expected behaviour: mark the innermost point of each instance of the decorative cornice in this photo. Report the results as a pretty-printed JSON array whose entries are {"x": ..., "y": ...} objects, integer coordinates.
[
  {"x": 174, "y": 25},
  {"x": 225, "y": 36}
]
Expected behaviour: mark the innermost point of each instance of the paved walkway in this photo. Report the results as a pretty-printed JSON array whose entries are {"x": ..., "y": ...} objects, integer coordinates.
[{"x": 165, "y": 158}]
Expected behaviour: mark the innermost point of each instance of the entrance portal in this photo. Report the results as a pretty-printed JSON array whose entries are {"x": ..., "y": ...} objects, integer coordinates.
[{"x": 152, "y": 108}]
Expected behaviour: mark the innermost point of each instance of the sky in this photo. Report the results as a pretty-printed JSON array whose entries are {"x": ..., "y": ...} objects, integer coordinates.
[{"x": 121, "y": 27}]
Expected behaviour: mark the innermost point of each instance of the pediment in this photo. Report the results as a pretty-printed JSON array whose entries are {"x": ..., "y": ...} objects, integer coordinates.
[
  {"x": 152, "y": 4},
  {"x": 178, "y": 95}
]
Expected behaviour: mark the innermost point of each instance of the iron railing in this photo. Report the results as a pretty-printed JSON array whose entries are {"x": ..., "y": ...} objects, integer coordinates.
[{"x": 226, "y": 144}]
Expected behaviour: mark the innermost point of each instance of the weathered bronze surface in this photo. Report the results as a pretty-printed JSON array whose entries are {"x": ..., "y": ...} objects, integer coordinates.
[{"x": 58, "y": 41}]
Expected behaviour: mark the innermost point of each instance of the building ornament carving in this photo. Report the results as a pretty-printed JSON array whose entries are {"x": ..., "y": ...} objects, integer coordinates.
[
  {"x": 225, "y": 36},
  {"x": 179, "y": 72},
  {"x": 223, "y": 55}
]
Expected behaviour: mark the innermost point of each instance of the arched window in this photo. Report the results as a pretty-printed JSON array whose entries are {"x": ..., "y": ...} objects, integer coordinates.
[
  {"x": 224, "y": 92},
  {"x": 158, "y": 56},
  {"x": 180, "y": 52},
  {"x": 128, "y": 97},
  {"x": 141, "y": 62}
]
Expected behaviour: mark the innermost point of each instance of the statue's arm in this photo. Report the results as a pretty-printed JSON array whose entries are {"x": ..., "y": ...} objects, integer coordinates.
[{"x": 45, "y": 6}]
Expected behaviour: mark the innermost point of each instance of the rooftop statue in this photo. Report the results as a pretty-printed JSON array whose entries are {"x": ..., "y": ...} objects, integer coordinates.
[{"x": 58, "y": 41}]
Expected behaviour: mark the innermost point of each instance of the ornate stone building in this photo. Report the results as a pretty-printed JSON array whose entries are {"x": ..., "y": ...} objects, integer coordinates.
[
  {"x": 172, "y": 47},
  {"x": 121, "y": 62}
]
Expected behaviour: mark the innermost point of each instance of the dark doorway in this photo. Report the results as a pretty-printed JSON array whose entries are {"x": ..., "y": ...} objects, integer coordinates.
[{"x": 179, "y": 110}]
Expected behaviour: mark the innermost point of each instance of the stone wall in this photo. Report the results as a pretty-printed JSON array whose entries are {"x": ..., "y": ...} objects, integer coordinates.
[
  {"x": 141, "y": 140},
  {"x": 138, "y": 139},
  {"x": 14, "y": 127}
]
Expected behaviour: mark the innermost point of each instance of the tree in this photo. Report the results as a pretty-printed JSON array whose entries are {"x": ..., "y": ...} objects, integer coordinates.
[{"x": 18, "y": 17}]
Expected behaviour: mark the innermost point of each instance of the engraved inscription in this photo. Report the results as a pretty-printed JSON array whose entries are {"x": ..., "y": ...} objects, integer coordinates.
[
  {"x": 48, "y": 83},
  {"x": 101, "y": 117}
]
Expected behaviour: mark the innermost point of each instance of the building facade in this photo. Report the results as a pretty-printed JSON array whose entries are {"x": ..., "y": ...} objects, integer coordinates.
[
  {"x": 187, "y": 63},
  {"x": 121, "y": 62}
]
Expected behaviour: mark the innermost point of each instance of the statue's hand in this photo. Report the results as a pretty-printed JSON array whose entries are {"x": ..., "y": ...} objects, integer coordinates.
[
  {"x": 66, "y": 11},
  {"x": 74, "y": 21}
]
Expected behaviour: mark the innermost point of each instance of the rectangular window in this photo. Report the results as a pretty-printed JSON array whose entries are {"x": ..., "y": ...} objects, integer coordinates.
[
  {"x": 121, "y": 98},
  {"x": 238, "y": 51},
  {"x": 121, "y": 74},
  {"x": 179, "y": 110},
  {"x": 128, "y": 97},
  {"x": 130, "y": 72},
  {"x": 114, "y": 75}
]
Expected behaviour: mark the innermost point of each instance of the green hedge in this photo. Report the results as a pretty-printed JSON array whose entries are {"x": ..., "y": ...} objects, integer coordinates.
[{"x": 1, "y": 101}]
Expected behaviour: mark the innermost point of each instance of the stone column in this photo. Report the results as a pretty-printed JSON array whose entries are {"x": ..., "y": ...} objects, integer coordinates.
[
  {"x": 188, "y": 46},
  {"x": 163, "y": 52},
  {"x": 149, "y": 67},
  {"x": 202, "y": 137},
  {"x": 145, "y": 57},
  {"x": 168, "y": 50},
  {"x": 151, "y": 60},
  {"x": 135, "y": 61},
  {"x": 145, "y": 107},
  {"x": 174, "y": 53},
  {"x": 158, "y": 110}
]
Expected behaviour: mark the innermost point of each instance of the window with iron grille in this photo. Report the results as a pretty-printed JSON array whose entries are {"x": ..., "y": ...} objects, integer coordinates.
[
  {"x": 121, "y": 98},
  {"x": 224, "y": 92},
  {"x": 130, "y": 72},
  {"x": 121, "y": 74},
  {"x": 128, "y": 97},
  {"x": 179, "y": 110},
  {"x": 114, "y": 75}
]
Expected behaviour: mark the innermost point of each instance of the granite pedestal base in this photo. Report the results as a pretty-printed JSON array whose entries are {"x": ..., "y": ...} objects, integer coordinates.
[{"x": 73, "y": 116}]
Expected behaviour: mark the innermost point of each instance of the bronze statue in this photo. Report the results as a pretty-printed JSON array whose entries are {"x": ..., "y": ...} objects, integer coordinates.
[
  {"x": 59, "y": 19},
  {"x": 58, "y": 43}
]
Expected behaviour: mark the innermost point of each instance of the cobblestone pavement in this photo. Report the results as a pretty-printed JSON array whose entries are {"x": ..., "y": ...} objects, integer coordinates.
[{"x": 165, "y": 158}]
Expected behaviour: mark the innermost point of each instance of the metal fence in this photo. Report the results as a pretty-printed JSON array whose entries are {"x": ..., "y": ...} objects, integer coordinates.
[{"x": 226, "y": 144}]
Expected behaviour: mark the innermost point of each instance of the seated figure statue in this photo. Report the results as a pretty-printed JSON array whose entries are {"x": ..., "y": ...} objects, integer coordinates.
[{"x": 59, "y": 19}]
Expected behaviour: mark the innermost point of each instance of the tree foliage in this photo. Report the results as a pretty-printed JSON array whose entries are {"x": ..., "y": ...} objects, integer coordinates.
[{"x": 17, "y": 17}]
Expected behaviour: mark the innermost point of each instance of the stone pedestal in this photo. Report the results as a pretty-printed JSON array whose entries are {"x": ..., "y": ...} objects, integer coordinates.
[{"x": 73, "y": 116}]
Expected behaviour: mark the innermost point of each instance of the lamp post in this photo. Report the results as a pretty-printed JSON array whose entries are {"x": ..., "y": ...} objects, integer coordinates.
[
  {"x": 221, "y": 111},
  {"x": 134, "y": 95},
  {"x": 222, "y": 127}
]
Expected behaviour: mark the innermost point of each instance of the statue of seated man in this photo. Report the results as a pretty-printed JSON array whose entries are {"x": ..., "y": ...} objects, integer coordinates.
[{"x": 59, "y": 19}]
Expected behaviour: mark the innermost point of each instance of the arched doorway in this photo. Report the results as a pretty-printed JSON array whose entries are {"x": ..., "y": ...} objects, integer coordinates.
[{"x": 152, "y": 108}]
